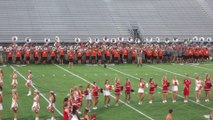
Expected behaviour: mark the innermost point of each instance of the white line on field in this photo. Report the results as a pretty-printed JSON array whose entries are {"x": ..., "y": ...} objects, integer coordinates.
[
  {"x": 158, "y": 86},
  {"x": 202, "y": 67},
  {"x": 36, "y": 89},
  {"x": 111, "y": 95}
]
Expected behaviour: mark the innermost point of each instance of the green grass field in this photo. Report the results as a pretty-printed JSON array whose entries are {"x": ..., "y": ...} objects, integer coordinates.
[{"x": 60, "y": 78}]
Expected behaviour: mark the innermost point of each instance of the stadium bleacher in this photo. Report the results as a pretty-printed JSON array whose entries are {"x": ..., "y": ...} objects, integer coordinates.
[{"x": 98, "y": 18}]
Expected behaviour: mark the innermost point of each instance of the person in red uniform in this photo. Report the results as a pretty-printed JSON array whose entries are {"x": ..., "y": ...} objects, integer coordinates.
[
  {"x": 160, "y": 55},
  {"x": 116, "y": 55},
  {"x": 206, "y": 54},
  {"x": 9, "y": 56},
  {"x": 189, "y": 55},
  {"x": 128, "y": 88},
  {"x": 61, "y": 53},
  {"x": 133, "y": 55},
  {"x": 27, "y": 55},
  {"x": 141, "y": 93},
  {"x": 155, "y": 55},
  {"x": 36, "y": 56},
  {"x": 18, "y": 56},
  {"x": 165, "y": 88},
  {"x": 152, "y": 87},
  {"x": 95, "y": 91},
  {"x": 148, "y": 55},
  {"x": 186, "y": 90},
  {"x": 86, "y": 114},
  {"x": 87, "y": 54},
  {"x": 52, "y": 54},
  {"x": 118, "y": 89},
  {"x": 71, "y": 58},
  {"x": 79, "y": 55},
  {"x": 66, "y": 113},
  {"x": 125, "y": 55},
  {"x": 44, "y": 56},
  {"x": 196, "y": 55},
  {"x": 207, "y": 87},
  {"x": 107, "y": 56}
]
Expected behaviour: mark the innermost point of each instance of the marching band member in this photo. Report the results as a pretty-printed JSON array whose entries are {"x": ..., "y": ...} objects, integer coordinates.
[
  {"x": 44, "y": 55},
  {"x": 99, "y": 53},
  {"x": 71, "y": 58},
  {"x": 118, "y": 89},
  {"x": 61, "y": 53},
  {"x": 14, "y": 105},
  {"x": 186, "y": 90},
  {"x": 107, "y": 88},
  {"x": 27, "y": 56},
  {"x": 36, "y": 106},
  {"x": 115, "y": 56},
  {"x": 79, "y": 55},
  {"x": 165, "y": 88},
  {"x": 207, "y": 87},
  {"x": 10, "y": 56},
  {"x": 198, "y": 88},
  {"x": 128, "y": 88},
  {"x": 36, "y": 55},
  {"x": 95, "y": 90},
  {"x": 107, "y": 55},
  {"x": 139, "y": 57},
  {"x": 125, "y": 55},
  {"x": 87, "y": 54},
  {"x": 155, "y": 55},
  {"x": 133, "y": 55},
  {"x": 18, "y": 56},
  {"x": 175, "y": 85},
  {"x": 93, "y": 54},
  {"x": 1, "y": 79},
  {"x": 14, "y": 81},
  {"x": 53, "y": 55},
  {"x": 141, "y": 91},
  {"x": 88, "y": 94},
  {"x": 51, "y": 105},
  {"x": 160, "y": 55},
  {"x": 1, "y": 104},
  {"x": 152, "y": 87},
  {"x": 29, "y": 82}
]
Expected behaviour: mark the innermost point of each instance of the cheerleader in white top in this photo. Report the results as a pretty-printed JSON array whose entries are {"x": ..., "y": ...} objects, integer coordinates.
[
  {"x": 107, "y": 88},
  {"x": 198, "y": 88},
  {"x": 175, "y": 85},
  {"x": 141, "y": 91},
  {"x": 88, "y": 94},
  {"x": 36, "y": 106},
  {"x": 29, "y": 82},
  {"x": 14, "y": 81},
  {"x": 51, "y": 105},
  {"x": 1, "y": 79},
  {"x": 14, "y": 105}
]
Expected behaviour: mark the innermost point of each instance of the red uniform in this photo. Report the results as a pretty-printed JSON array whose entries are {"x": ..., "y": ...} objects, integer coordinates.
[
  {"x": 117, "y": 88},
  {"x": 207, "y": 85},
  {"x": 44, "y": 53},
  {"x": 36, "y": 54},
  {"x": 152, "y": 87},
  {"x": 127, "y": 87},
  {"x": 9, "y": 54},
  {"x": 160, "y": 53},
  {"x": 187, "y": 84},
  {"x": 66, "y": 117},
  {"x": 95, "y": 91},
  {"x": 165, "y": 87}
]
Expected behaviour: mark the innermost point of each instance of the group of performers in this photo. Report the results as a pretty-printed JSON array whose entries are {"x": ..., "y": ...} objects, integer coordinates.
[
  {"x": 107, "y": 52},
  {"x": 73, "y": 103}
]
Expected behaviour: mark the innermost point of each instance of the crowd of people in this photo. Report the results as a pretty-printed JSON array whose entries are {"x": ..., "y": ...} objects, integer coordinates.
[
  {"x": 90, "y": 95},
  {"x": 107, "y": 52}
]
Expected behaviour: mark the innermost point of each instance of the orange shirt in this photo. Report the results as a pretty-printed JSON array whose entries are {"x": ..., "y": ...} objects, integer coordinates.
[
  {"x": 27, "y": 53},
  {"x": 52, "y": 53},
  {"x": 133, "y": 53},
  {"x": 18, "y": 54},
  {"x": 44, "y": 53},
  {"x": 35, "y": 53},
  {"x": 61, "y": 51},
  {"x": 99, "y": 53},
  {"x": 93, "y": 53},
  {"x": 87, "y": 53},
  {"x": 9, "y": 54}
]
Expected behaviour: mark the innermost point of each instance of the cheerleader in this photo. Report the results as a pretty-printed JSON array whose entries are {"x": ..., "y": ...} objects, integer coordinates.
[
  {"x": 107, "y": 94},
  {"x": 165, "y": 88},
  {"x": 118, "y": 89},
  {"x": 36, "y": 106},
  {"x": 187, "y": 83},
  {"x": 95, "y": 95},
  {"x": 128, "y": 88},
  {"x": 14, "y": 82},
  {"x": 88, "y": 94},
  {"x": 14, "y": 105},
  {"x": 51, "y": 105},
  {"x": 198, "y": 88},
  {"x": 1, "y": 79},
  {"x": 175, "y": 85},
  {"x": 29, "y": 82},
  {"x": 80, "y": 97},
  {"x": 76, "y": 98},
  {"x": 75, "y": 115},
  {"x": 152, "y": 87},
  {"x": 1, "y": 106},
  {"x": 141, "y": 91},
  {"x": 66, "y": 114},
  {"x": 86, "y": 114},
  {"x": 207, "y": 87}
]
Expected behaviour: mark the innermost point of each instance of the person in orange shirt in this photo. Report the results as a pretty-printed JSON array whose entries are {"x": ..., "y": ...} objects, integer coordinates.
[
  {"x": 44, "y": 56},
  {"x": 9, "y": 56},
  {"x": 87, "y": 54},
  {"x": 107, "y": 55},
  {"x": 61, "y": 52},
  {"x": 160, "y": 55},
  {"x": 99, "y": 56},
  {"x": 93, "y": 56},
  {"x": 169, "y": 115},
  {"x": 79, "y": 54},
  {"x": 155, "y": 55},
  {"x": 133, "y": 53},
  {"x": 70, "y": 57},
  {"x": 27, "y": 55},
  {"x": 52, "y": 54},
  {"x": 125, "y": 55},
  {"x": 116, "y": 54},
  {"x": 18, "y": 56},
  {"x": 36, "y": 56}
]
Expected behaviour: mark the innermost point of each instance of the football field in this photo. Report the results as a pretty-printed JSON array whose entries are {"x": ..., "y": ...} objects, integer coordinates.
[{"x": 61, "y": 79}]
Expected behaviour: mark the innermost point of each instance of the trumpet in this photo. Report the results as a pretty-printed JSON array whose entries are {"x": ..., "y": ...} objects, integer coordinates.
[
  {"x": 27, "y": 40},
  {"x": 201, "y": 39}
]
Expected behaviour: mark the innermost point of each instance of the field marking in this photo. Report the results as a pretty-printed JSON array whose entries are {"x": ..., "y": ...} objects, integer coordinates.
[
  {"x": 160, "y": 87},
  {"x": 111, "y": 95},
  {"x": 202, "y": 67},
  {"x": 36, "y": 89}
]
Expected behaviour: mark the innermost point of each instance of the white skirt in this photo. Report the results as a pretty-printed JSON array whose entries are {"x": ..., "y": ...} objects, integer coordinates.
[
  {"x": 140, "y": 90},
  {"x": 14, "y": 82},
  {"x": 14, "y": 104},
  {"x": 89, "y": 97},
  {"x": 29, "y": 82},
  {"x": 35, "y": 105},
  {"x": 1, "y": 106},
  {"x": 106, "y": 93},
  {"x": 174, "y": 88}
]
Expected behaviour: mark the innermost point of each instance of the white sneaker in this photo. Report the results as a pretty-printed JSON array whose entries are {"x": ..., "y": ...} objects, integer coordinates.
[
  {"x": 197, "y": 101},
  {"x": 94, "y": 108},
  {"x": 165, "y": 101},
  {"x": 105, "y": 106},
  {"x": 117, "y": 104},
  {"x": 150, "y": 102},
  {"x": 79, "y": 112},
  {"x": 108, "y": 105},
  {"x": 36, "y": 118},
  {"x": 15, "y": 118},
  {"x": 185, "y": 101},
  {"x": 52, "y": 118},
  {"x": 29, "y": 93},
  {"x": 174, "y": 101}
]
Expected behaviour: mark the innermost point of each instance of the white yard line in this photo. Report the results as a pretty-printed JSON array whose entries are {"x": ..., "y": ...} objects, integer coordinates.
[
  {"x": 160, "y": 87},
  {"x": 111, "y": 95},
  {"x": 36, "y": 89},
  {"x": 202, "y": 67}
]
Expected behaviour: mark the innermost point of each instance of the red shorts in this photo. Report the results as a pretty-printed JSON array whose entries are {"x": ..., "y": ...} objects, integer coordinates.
[
  {"x": 151, "y": 91},
  {"x": 165, "y": 89},
  {"x": 117, "y": 92},
  {"x": 95, "y": 94},
  {"x": 186, "y": 92}
]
